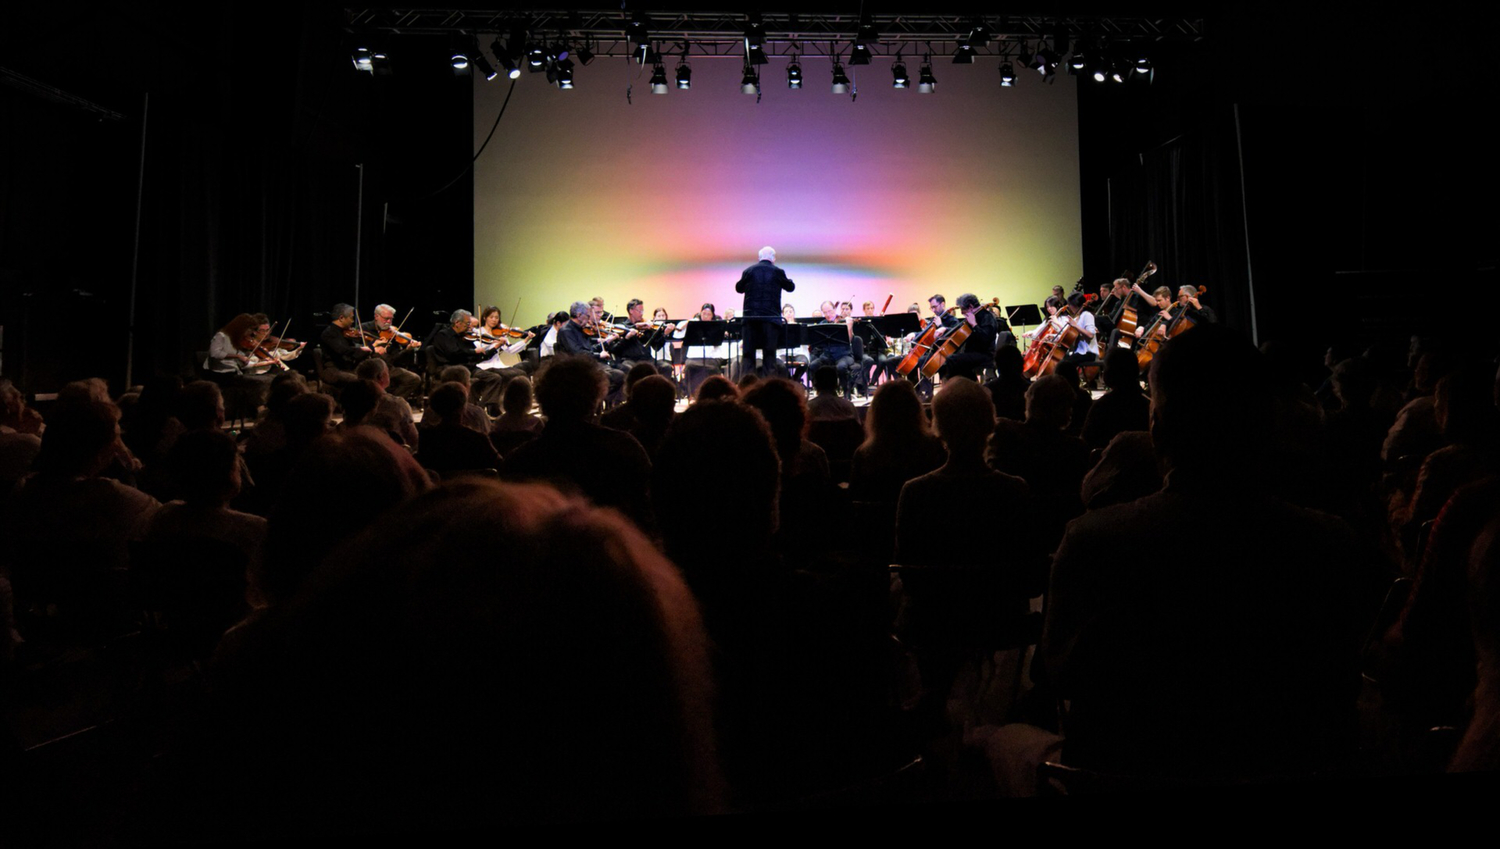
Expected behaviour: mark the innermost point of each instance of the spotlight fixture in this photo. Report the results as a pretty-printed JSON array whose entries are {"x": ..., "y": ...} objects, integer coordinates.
[
  {"x": 585, "y": 55},
  {"x": 502, "y": 56},
  {"x": 460, "y": 62},
  {"x": 636, "y": 30},
  {"x": 964, "y": 55},
  {"x": 926, "y": 82},
  {"x": 1007, "y": 74},
  {"x": 536, "y": 58},
  {"x": 1078, "y": 61},
  {"x": 1099, "y": 72},
  {"x": 684, "y": 76},
  {"x": 979, "y": 33},
  {"x": 750, "y": 82},
  {"x": 755, "y": 40},
  {"x": 840, "y": 81},
  {"x": 794, "y": 74},
  {"x": 1116, "y": 74},
  {"x": 486, "y": 70},
  {"x": 859, "y": 55},
  {"x": 565, "y": 74},
  {"x": 1045, "y": 62},
  {"x": 1143, "y": 64},
  {"x": 364, "y": 60},
  {"x": 658, "y": 79},
  {"x": 899, "y": 77}
]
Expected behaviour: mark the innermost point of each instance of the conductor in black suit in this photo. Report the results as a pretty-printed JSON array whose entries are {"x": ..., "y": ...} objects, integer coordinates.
[{"x": 762, "y": 284}]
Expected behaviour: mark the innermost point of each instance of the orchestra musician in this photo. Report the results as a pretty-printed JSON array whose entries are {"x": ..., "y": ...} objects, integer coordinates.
[
  {"x": 1087, "y": 349},
  {"x": 631, "y": 346},
  {"x": 1187, "y": 300},
  {"x": 700, "y": 361},
  {"x": 574, "y": 340},
  {"x": 978, "y": 351},
  {"x": 400, "y": 348},
  {"x": 600, "y": 315},
  {"x": 660, "y": 338},
  {"x": 345, "y": 347},
  {"x": 492, "y": 336},
  {"x": 837, "y": 352},
  {"x": 797, "y": 358},
  {"x": 451, "y": 346},
  {"x": 229, "y": 353}
]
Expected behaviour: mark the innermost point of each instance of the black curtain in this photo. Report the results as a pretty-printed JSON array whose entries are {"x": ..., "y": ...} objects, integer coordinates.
[{"x": 1180, "y": 205}]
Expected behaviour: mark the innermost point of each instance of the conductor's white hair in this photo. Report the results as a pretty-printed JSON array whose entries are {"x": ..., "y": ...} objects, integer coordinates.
[{"x": 767, "y": 252}]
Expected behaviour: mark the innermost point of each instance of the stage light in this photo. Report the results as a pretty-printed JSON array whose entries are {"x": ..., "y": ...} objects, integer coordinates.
[
  {"x": 755, "y": 40},
  {"x": 1078, "y": 61},
  {"x": 1143, "y": 64},
  {"x": 565, "y": 74},
  {"x": 636, "y": 31},
  {"x": 1007, "y": 74},
  {"x": 926, "y": 82},
  {"x": 1116, "y": 74},
  {"x": 684, "y": 76},
  {"x": 486, "y": 70},
  {"x": 1045, "y": 62},
  {"x": 750, "y": 82},
  {"x": 979, "y": 33},
  {"x": 536, "y": 58},
  {"x": 460, "y": 63},
  {"x": 964, "y": 55},
  {"x": 585, "y": 55},
  {"x": 1099, "y": 72},
  {"x": 364, "y": 60},
  {"x": 794, "y": 75},
  {"x": 502, "y": 56},
  {"x": 658, "y": 79},
  {"x": 899, "y": 77},
  {"x": 840, "y": 81},
  {"x": 867, "y": 33},
  {"x": 859, "y": 55}
]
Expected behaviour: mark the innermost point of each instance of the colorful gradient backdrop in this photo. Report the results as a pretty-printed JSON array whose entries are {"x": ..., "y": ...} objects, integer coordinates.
[{"x": 973, "y": 188}]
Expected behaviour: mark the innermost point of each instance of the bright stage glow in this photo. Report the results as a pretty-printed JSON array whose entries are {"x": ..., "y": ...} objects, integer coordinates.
[{"x": 970, "y": 189}]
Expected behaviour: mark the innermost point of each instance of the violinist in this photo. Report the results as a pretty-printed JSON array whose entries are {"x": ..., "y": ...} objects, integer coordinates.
[
  {"x": 229, "y": 353},
  {"x": 345, "y": 346},
  {"x": 399, "y": 348},
  {"x": 631, "y": 346},
  {"x": 580, "y": 337},
  {"x": 600, "y": 315},
  {"x": 978, "y": 351},
  {"x": 511, "y": 341},
  {"x": 660, "y": 338},
  {"x": 452, "y": 346}
]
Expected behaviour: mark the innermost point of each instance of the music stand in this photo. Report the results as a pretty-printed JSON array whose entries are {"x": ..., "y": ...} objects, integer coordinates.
[
  {"x": 897, "y": 324},
  {"x": 707, "y": 334},
  {"x": 1023, "y": 314}
]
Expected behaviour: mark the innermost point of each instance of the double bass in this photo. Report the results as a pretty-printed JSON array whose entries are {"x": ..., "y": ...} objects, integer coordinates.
[{"x": 1129, "y": 320}]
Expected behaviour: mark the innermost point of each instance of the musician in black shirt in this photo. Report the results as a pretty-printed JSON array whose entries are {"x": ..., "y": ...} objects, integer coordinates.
[
  {"x": 448, "y": 347},
  {"x": 573, "y": 341},
  {"x": 342, "y": 354},
  {"x": 978, "y": 351}
]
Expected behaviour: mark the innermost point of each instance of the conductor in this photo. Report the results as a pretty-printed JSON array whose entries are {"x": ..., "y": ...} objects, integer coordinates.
[{"x": 762, "y": 284}]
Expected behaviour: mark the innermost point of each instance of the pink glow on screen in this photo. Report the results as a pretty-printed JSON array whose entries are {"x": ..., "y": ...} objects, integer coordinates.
[{"x": 973, "y": 188}]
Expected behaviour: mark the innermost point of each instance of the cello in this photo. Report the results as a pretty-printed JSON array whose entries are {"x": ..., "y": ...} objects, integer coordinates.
[
  {"x": 1162, "y": 329},
  {"x": 923, "y": 345}
]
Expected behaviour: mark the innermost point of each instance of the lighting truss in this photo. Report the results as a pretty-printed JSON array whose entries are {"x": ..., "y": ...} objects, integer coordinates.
[{"x": 719, "y": 34}]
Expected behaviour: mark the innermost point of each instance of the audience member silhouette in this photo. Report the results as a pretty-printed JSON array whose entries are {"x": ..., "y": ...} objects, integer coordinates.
[
  {"x": 1120, "y": 409},
  {"x": 449, "y": 447},
  {"x": 1008, "y": 389},
  {"x": 899, "y": 446},
  {"x": 1208, "y": 632},
  {"x": 573, "y": 451}
]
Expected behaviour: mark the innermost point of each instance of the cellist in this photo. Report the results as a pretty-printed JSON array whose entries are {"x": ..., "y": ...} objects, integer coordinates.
[
  {"x": 1087, "y": 349},
  {"x": 978, "y": 351}
]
